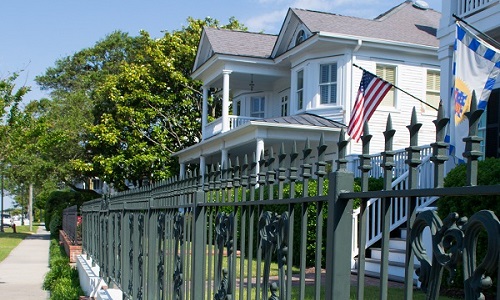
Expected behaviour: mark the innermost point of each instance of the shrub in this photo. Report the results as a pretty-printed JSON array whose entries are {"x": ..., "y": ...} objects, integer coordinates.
[
  {"x": 57, "y": 201},
  {"x": 62, "y": 279},
  {"x": 466, "y": 206},
  {"x": 64, "y": 289},
  {"x": 55, "y": 224}
]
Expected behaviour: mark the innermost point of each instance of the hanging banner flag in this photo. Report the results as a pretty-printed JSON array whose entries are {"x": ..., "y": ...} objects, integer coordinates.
[
  {"x": 372, "y": 90},
  {"x": 475, "y": 68}
]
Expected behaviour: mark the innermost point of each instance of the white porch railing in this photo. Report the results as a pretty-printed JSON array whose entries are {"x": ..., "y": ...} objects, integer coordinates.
[
  {"x": 398, "y": 214},
  {"x": 215, "y": 127},
  {"x": 236, "y": 121},
  {"x": 469, "y": 7}
]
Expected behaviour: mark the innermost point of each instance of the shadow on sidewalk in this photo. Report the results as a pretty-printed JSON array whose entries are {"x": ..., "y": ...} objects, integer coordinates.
[{"x": 38, "y": 236}]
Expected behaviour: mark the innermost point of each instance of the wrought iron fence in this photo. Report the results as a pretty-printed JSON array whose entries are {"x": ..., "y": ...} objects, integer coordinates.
[
  {"x": 70, "y": 223},
  {"x": 286, "y": 230}
]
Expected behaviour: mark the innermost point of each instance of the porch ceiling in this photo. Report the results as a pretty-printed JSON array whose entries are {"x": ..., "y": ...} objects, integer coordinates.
[{"x": 241, "y": 81}]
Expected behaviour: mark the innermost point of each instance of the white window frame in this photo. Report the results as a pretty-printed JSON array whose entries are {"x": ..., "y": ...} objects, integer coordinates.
[
  {"x": 328, "y": 84},
  {"x": 299, "y": 92},
  {"x": 261, "y": 109},
  {"x": 432, "y": 90}
]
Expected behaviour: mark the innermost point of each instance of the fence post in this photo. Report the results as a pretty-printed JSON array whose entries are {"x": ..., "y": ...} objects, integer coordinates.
[
  {"x": 339, "y": 234},
  {"x": 473, "y": 142},
  {"x": 387, "y": 165},
  {"x": 413, "y": 160},
  {"x": 365, "y": 167},
  {"x": 199, "y": 229}
]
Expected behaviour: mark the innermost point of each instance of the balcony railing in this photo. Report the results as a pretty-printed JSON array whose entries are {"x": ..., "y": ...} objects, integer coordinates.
[
  {"x": 470, "y": 7},
  {"x": 215, "y": 127}
]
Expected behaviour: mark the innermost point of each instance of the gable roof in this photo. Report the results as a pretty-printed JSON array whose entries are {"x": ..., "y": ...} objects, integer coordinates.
[
  {"x": 240, "y": 43},
  {"x": 403, "y": 23}
]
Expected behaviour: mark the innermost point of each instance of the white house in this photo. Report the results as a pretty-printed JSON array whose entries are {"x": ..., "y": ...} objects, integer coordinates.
[
  {"x": 302, "y": 82},
  {"x": 485, "y": 16}
]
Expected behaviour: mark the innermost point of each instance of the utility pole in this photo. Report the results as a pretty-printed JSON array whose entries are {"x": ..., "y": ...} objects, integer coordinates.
[
  {"x": 30, "y": 207},
  {"x": 1, "y": 204}
]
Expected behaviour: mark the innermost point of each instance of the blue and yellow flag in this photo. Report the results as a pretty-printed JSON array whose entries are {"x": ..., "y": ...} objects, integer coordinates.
[{"x": 475, "y": 68}]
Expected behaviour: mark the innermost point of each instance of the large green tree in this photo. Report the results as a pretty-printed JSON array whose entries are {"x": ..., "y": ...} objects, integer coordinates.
[{"x": 144, "y": 104}]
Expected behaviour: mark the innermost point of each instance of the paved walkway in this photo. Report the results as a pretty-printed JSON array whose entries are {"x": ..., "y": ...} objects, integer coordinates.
[{"x": 22, "y": 272}]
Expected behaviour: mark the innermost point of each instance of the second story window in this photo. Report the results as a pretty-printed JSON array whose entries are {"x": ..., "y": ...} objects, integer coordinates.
[
  {"x": 238, "y": 108},
  {"x": 388, "y": 73},
  {"x": 328, "y": 83},
  {"x": 257, "y": 107},
  {"x": 301, "y": 36},
  {"x": 432, "y": 88},
  {"x": 300, "y": 89},
  {"x": 284, "y": 106}
]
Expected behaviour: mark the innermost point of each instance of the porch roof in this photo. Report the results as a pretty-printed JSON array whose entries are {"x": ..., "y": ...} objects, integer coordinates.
[
  {"x": 303, "y": 119},
  {"x": 274, "y": 130}
]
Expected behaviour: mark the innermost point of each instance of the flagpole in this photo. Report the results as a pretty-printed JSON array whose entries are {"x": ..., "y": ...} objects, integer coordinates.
[
  {"x": 397, "y": 88},
  {"x": 489, "y": 38}
]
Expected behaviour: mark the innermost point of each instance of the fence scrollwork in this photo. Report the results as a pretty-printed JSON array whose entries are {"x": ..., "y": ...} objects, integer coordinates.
[
  {"x": 179, "y": 239},
  {"x": 454, "y": 239},
  {"x": 273, "y": 232},
  {"x": 224, "y": 234}
]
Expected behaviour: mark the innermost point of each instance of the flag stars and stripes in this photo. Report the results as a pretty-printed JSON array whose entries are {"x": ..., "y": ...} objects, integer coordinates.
[{"x": 372, "y": 91}]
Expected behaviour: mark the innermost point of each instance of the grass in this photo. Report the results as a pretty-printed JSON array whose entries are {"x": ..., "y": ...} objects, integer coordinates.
[
  {"x": 371, "y": 292},
  {"x": 9, "y": 240}
]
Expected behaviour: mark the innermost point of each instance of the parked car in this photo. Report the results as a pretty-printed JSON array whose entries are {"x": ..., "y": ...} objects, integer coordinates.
[
  {"x": 17, "y": 220},
  {"x": 7, "y": 220}
]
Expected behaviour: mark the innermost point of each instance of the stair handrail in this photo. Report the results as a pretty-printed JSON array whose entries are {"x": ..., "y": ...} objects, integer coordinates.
[{"x": 374, "y": 205}]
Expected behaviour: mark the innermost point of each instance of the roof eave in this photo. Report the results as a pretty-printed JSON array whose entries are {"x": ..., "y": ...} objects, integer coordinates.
[
  {"x": 377, "y": 41},
  {"x": 230, "y": 58}
]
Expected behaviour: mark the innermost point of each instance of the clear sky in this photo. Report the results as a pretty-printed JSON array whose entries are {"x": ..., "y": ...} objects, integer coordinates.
[{"x": 35, "y": 33}]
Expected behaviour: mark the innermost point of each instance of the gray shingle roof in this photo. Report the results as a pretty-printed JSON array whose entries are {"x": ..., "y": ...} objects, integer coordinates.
[
  {"x": 403, "y": 23},
  {"x": 304, "y": 119},
  {"x": 240, "y": 43}
]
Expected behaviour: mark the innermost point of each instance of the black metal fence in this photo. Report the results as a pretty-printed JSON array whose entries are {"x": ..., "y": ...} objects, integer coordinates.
[
  {"x": 70, "y": 223},
  {"x": 285, "y": 231}
]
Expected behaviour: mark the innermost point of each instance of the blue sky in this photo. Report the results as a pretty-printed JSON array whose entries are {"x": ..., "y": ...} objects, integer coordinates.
[{"x": 35, "y": 33}]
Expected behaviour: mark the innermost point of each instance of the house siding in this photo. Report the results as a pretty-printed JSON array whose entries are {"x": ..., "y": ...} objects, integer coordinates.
[{"x": 410, "y": 78}]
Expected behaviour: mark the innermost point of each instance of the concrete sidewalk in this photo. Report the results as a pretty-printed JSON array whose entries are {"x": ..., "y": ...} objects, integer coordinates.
[{"x": 22, "y": 272}]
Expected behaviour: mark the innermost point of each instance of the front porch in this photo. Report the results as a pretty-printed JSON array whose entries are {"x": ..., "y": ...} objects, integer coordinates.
[{"x": 249, "y": 137}]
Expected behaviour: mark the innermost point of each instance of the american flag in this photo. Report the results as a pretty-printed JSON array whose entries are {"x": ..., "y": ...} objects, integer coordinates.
[{"x": 371, "y": 92}]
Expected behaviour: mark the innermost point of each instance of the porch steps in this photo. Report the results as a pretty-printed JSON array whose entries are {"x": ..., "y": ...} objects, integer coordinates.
[{"x": 397, "y": 254}]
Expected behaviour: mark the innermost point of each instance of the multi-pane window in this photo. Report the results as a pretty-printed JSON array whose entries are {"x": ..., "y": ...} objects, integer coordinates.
[
  {"x": 388, "y": 73},
  {"x": 284, "y": 106},
  {"x": 433, "y": 87},
  {"x": 328, "y": 83},
  {"x": 300, "y": 89},
  {"x": 257, "y": 107}
]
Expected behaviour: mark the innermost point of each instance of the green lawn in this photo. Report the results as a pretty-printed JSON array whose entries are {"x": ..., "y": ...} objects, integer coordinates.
[
  {"x": 10, "y": 240},
  {"x": 371, "y": 292}
]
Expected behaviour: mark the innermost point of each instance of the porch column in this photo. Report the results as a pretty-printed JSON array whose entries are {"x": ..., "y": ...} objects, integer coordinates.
[
  {"x": 182, "y": 170},
  {"x": 224, "y": 158},
  {"x": 203, "y": 167},
  {"x": 225, "y": 100},
  {"x": 258, "y": 151},
  {"x": 204, "y": 112}
]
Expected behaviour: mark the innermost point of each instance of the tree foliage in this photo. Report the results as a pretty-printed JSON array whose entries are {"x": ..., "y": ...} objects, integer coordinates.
[{"x": 143, "y": 104}]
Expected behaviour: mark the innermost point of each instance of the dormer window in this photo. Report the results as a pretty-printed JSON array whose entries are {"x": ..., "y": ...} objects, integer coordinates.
[{"x": 301, "y": 36}]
